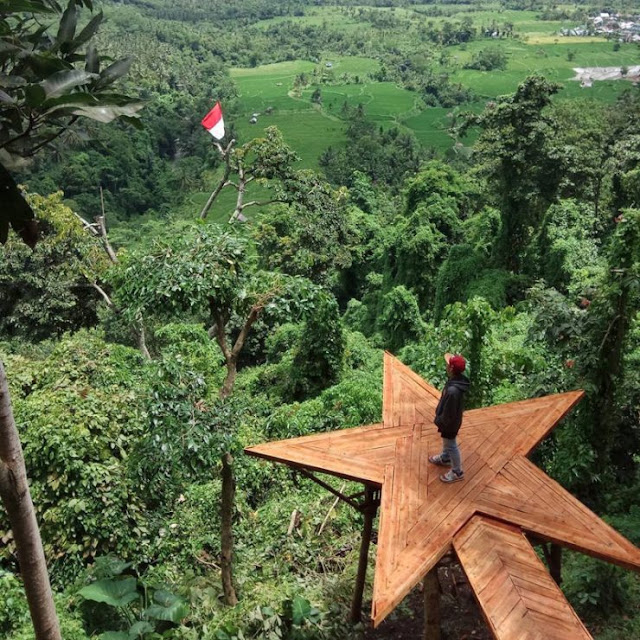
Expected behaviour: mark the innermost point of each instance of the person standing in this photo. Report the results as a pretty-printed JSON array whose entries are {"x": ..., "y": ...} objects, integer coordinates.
[{"x": 448, "y": 418}]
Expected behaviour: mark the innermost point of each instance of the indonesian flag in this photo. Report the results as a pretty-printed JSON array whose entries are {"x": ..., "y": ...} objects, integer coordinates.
[{"x": 213, "y": 122}]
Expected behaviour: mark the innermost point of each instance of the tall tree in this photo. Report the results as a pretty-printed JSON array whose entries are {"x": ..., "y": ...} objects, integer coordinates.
[
  {"x": 210, "y": 275},
  {"x": 517, "y": 154},
  {"x": 43, "y": 92}
]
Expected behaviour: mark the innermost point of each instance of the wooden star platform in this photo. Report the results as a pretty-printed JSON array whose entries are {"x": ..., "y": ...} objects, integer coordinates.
[{"x": 483, "y": 517}]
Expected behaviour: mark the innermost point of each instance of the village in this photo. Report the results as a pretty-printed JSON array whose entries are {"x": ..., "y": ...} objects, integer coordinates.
[{"x": 623, "y": 28}]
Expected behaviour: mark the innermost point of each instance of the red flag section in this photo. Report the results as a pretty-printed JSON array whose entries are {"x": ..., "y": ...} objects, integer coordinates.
[{"x": 213, "y": 122}]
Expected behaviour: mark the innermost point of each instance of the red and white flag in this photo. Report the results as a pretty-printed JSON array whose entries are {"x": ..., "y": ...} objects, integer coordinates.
[{"x": 213, "y": 122}]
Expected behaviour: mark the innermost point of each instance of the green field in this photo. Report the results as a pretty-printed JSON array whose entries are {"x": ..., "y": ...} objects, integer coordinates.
[{"x": 310, "y": 128}]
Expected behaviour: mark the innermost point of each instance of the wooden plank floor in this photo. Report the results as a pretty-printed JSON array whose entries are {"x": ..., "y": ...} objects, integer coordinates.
[
  {"x": 420, "y": 515},
  {"x": 518, "y": 597}
]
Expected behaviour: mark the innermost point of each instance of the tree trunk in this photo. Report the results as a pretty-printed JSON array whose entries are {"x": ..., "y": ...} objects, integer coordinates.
[
  {"x": 14, "y": 491},
  {"x": 431, "y": 605},
  {"x": 555, "y": 563},
  {"x": 230, "y": 379},
  {"x": 369, "y": 515},
  {"x": 226, "y": 516}
]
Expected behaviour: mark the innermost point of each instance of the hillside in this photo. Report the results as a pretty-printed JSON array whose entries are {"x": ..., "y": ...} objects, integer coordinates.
[{"x": 430, "y": 178}]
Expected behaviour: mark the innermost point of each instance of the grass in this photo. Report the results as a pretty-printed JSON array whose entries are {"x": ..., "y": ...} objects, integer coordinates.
[{"x": 310, "y": 128}]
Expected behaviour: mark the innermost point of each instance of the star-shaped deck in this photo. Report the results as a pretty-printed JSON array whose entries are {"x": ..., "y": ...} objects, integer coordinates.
[{"x": 421, "y": 518}]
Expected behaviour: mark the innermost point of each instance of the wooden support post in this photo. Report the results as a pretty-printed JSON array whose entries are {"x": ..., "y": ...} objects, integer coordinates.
[
  {"x": 431, "y": 605},
  {"x": 555, "y": 563},
  {"x": 369, "y": 510}
]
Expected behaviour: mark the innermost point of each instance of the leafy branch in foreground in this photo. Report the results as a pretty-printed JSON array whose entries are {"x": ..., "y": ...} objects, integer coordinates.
[{"x": 51, "y": 75}]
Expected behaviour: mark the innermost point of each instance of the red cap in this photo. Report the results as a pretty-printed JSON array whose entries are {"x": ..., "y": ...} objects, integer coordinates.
[{"x": 456, "y": 362}]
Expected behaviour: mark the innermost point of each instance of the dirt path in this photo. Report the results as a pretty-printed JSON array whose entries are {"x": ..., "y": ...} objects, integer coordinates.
[{"x": 588, "y": 75}]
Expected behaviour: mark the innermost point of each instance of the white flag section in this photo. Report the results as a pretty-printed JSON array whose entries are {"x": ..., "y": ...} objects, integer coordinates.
[{"x": 213, "y": 122}]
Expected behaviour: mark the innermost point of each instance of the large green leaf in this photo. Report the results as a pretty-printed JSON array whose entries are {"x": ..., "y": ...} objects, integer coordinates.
[
  {"x": 116, "y": 593},
  {"x": 69, "y": 99},
  {"x": 115, "y": 71},
  {"x": 34, "y": 95},
  {"x": 300, "y": 610},
  {"x": 89, "y": 31},
  {"x": 68, "y": 22},
  {"x": 63, "y": 81},
  {"x": 108, "y": 113},
  {"x": 139, "y": 629},
  {"x": 168, "y": 607}
]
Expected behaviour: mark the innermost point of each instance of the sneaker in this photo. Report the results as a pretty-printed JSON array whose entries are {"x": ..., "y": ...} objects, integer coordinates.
[
  {"x": 440, "y": 461},
  {"x": 452, "y": 476}
]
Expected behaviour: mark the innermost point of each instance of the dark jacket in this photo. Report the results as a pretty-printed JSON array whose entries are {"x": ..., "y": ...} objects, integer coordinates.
[{"x": 449, "y": 410}]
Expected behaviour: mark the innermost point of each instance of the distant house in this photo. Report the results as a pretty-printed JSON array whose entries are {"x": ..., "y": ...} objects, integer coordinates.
[
  {"x": 255, "y": 115},
  {"x": 329, "y": 65},
  {"x": 253, "y": 120}
]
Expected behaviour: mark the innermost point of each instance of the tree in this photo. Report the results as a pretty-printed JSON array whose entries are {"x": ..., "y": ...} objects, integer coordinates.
[
  {"x": 266, "y": 160},
  {"x": 516, "y": 153},
  {"x": 311, "y": 235},
  {"x": 608, "y": 321},
  {"x": 317, "y": 361},
  {"x": 16, "y": 498},
  {"x": 209, "y": 274},
  {"x": 488, "y": 60},
  {"x": 50, "y": 85},
  {"x": 43, "y": 93},
  {"x": 45, "y": 292}
]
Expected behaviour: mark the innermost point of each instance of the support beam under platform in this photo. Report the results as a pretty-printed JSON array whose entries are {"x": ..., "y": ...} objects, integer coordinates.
[{"x": 369, "y": 510}]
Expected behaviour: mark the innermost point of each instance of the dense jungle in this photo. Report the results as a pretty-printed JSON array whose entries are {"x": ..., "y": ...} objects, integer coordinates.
[{"x": 415, "y": 177}]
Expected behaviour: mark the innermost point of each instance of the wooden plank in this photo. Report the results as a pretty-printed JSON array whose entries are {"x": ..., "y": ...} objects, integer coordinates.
[
  {"x": 385, "y": 543},
  {"x": 420, "y": 516},
  {"x": 498, "y": 561}
]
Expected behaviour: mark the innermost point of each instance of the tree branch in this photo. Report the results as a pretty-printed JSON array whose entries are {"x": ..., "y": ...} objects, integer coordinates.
[
  {"x": 102, "y": 226},
  {"x": 244, "y": 332},
  {"x": 264, "y": 203},
  {"x": 218, "y": 332},
  {"x": 52, "y": 137},
  {"x": 102, "y": 292},
  {"x": 226, "y": 155}
]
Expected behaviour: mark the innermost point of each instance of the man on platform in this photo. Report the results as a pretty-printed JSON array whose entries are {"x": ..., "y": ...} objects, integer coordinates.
[{"x": 449, "y": 418}]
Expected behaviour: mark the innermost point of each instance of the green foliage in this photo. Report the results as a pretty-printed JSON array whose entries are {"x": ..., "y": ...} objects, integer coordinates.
[
  {"x": 400, "y": 321},
  {"x": 490, "y": 59},
  {"x": 46, "y": 291},
  {"x": 569, "y": 249},
  {"x": 142, "y": 609},
  {"x": 82, "y": 413},
  {"x": 385, "y": 156},
  {"x": 595, "y": 588},
  {"x": 312, "y": 235},
  {"x": 318, "y": 356},
  {"x": 46, "y": 89},
  {"x": 518, "y": 157},
  {"x": 13, "y": 604}
]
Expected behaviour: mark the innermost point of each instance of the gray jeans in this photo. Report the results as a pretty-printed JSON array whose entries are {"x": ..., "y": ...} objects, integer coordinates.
[{"x": 451, "y": 452}]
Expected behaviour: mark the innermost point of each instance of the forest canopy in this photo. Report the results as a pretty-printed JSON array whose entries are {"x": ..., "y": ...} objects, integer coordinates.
[{"x": 394, "y": 177}]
